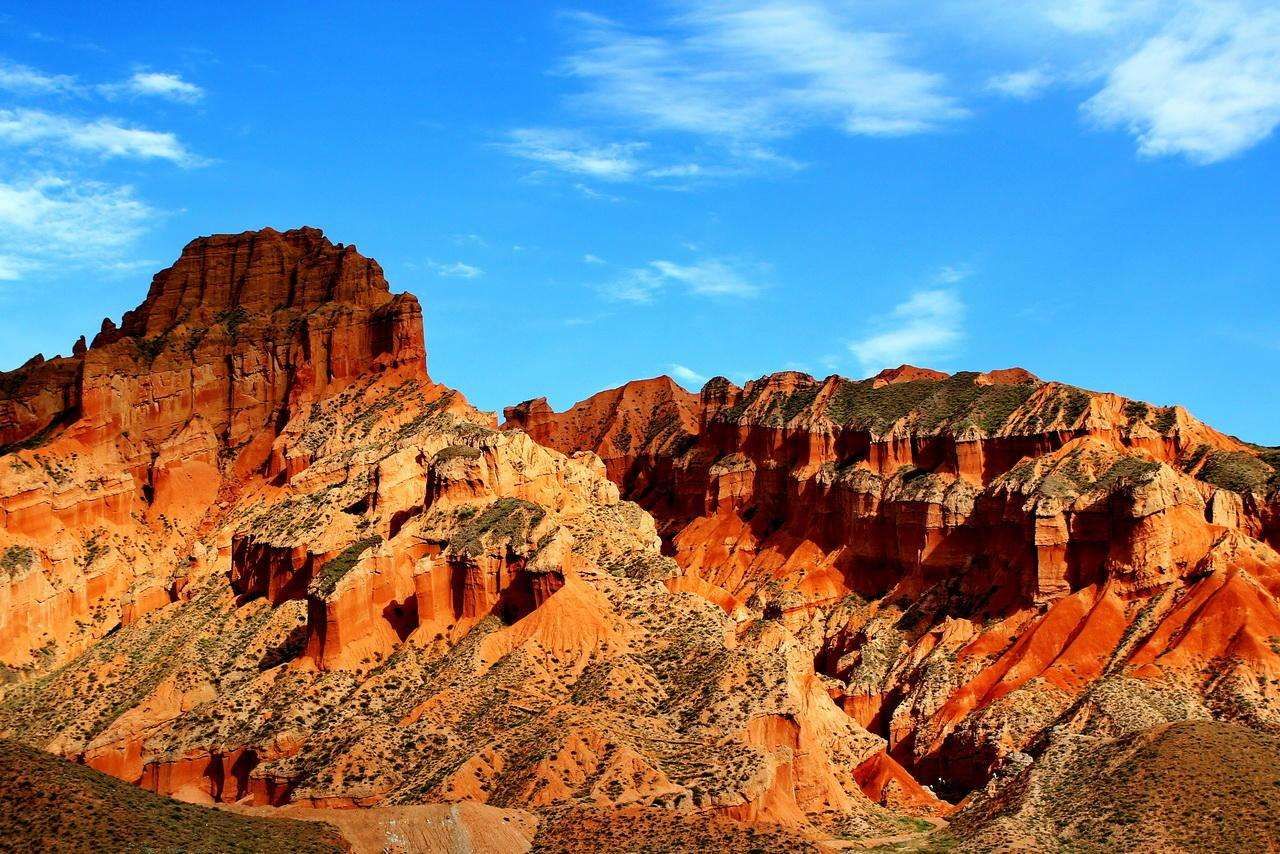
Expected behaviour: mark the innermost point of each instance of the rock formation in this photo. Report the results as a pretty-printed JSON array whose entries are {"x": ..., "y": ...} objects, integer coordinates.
[
  {"x": 118, "y": 457},
  {"x": 973, "y": 560},
  {"x": 253, "y": 554}
]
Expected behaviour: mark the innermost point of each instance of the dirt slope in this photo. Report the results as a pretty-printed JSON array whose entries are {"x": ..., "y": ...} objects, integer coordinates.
[
  {"x": 1199, "y": 786},
  {"x": 50, "y": 804}
]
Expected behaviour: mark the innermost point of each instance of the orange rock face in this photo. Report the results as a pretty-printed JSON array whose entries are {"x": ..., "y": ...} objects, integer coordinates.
[{"x": 972, "y": 559}]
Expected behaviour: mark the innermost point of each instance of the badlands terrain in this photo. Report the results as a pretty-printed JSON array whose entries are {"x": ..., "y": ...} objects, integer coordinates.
[{"x": 253, "y": 558}]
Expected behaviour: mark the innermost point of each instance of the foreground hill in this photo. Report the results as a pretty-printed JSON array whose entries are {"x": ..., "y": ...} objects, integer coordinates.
[
  {"x": 50, "y": 804},
  {"x": 252, "y": 553},
  {"x": 1197, "y": 786},
  {"x": 971, "y": 559}
]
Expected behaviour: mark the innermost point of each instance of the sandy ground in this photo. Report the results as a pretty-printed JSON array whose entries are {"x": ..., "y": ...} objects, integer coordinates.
[{"x": 463, "y": 828}]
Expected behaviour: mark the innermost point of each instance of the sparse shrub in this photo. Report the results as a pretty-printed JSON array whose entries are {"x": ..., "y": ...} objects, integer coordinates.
[
  {"x": 15, "y": 559},
  {"x": 1237, "y": 471}
]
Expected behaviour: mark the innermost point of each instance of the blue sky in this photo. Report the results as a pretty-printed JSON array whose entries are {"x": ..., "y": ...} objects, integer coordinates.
[{"x": 585, "y": 194}]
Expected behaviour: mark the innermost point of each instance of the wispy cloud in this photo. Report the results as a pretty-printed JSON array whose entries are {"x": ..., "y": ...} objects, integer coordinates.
[
  {"x": 53, "y": 214},
  {"x": 571, "y": 152},
  {"x": 679, "y": 170},
  {"x": 686, "y": 375},
  {"x": 732, "y": 80},
  {"x": 154, "y": 84},
  {"x": 592, "y": 193},
  {"x": 927, "y": 325},
  {"x": 102, "y": 137},
  {"x": 1021, "y": 85},
  {"x": 11, "y": 268},
  {"x": 1206, "y": 86},
  {"x": 592, "y": 259},
  {"x": 752, "y": 71},
  {"x": 639, "y": 284},
  {"x": 25, "y": 80},
  {"x": 47, "y": 220},
  {"x": 1098, "y": 16},
  {"x": 454, "y": 270},
  {"x": 585, "y": 320},
  {"x": 710, "y": 277}
]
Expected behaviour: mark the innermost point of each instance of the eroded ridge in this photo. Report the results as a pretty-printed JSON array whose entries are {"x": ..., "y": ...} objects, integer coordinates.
[{"x": 975, "y": 560}]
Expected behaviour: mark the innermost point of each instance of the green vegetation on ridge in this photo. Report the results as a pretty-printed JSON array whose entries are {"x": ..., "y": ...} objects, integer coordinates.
[
  {"x": 957, "y": 400},
  {"x": 334, "y": 571}
]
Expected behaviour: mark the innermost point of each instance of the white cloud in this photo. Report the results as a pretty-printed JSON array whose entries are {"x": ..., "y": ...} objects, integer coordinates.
[
  {"x": 686, "y": 375},
  {"x": 1206, "y": 86},
  {"x": 1098, "y": 16},
  {"x": 52, "y": 220},
  {"x": 755, "y": 71},
  {"x": 25, "y": 80},
  {"x": 103, "y": 137},
  {"x": 709, "y": 277},
  {"x": 1020, "y": 85},
  {"x": 155, "y": 84},
  {"x": 571, "y": 152},
  {"x": 585, "y": 320},
  {"x": 678, "y": 170},
  {"x": 592, "y": 259},
  {"x": 454, "y": 270},
  {"x": 926, "y": 326},
  {"x": 12, "y": 268},
  {"x": 713, "y": 89}
]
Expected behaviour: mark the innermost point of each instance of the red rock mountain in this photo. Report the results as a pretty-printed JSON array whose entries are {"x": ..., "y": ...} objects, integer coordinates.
[
  {"x": 250, "y": 552},
  {"x": 973, "y": 560}
]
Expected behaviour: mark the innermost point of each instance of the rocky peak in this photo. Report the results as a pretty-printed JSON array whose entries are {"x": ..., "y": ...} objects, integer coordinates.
[
  {"x": 905, "y": 374},
  {"x": 256, "y": 272},
  {"x": 641, "y": 417},
  {"x": 251, "y": 320}
]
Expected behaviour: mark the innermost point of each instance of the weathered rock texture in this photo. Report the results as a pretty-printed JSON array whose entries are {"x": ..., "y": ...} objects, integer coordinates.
[
  {"x": 972, "y": 560},
  {"x": 252, "y": 553}
]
